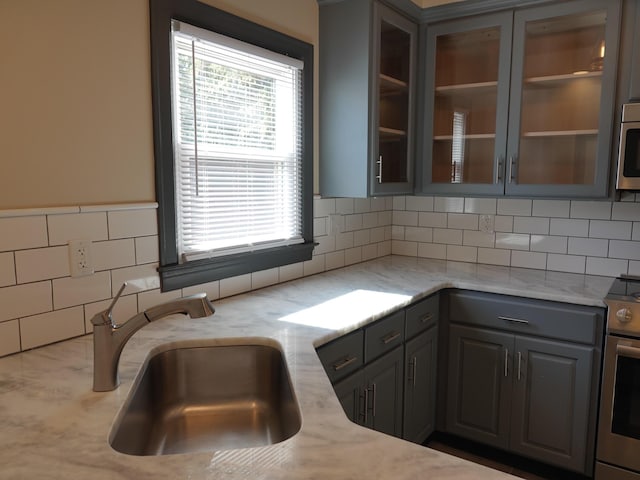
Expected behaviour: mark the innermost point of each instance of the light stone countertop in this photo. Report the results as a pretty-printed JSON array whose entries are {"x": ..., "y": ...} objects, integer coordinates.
[{"x": 52, "y": 425}]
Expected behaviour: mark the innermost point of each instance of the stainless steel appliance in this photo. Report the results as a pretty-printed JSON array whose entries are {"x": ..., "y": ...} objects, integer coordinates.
[
  {"x": 618, "y": 451},
  {"x": 629, "y": 150}
]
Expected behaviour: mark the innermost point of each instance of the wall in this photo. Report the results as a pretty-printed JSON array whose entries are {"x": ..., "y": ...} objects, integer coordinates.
[{"x": 75, "y": 90}]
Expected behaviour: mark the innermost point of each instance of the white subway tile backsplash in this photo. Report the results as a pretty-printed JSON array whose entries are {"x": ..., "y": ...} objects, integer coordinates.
[
  {"x": 494, "y": 256},
  {"x": 419, "y": 234},
  {"x": 535, "y": 260},
  {"x": 480, "y": 205},
  {"x": 609, "y": 267},
  {"x": 77, "y": 226},
  {"x": 475, "y": 238},
  {"x": 344, "y": 206},
  {"x": 624, "y": 249},
  {"x": 402, "y": 247},
  {"x": 147, "y": 250},
  {"x": 551, "y": 208},
  {"x": 385, "y": 218},
  {"x": 378, "y": 234},
  {"x": 343, "y": 241},
  {"x": 212, "y": 289},
  {"x": 69, "y": 292},
  {"x": 610, "y": 229},
  {"x": 635, "y": 234},
  {"x": 369, "y": 252},
  {"x": 370, "y": 220},
  {"x": 432, "y": 250},
  {"x": 569, "y": 227},
  {"x": 514, "y": 206},
  {"x": 9, "y": 337},
  {"x": 531, "y": 225},
  {"x": 503, "y": 223},
  {"x": 334, "y": 260},
  {"x": 591, "y": 209},
  {"x": 448, "y": 204},
  {"x": 138, "y": 278},
  {"x": 626, "y": 211},
  {"x": 238, "y": 284},
  {"x": 51, "y": 327},
  {"x": 405, "y": 218},
  {"x": 325, "y": 244},
  {"x": 566, "y": 263},
  {"x": 634, "y": 268},
  {"x": 462, "y": 254},
  {"x": 397, "y": 232},
  {"x": 22, "y": 300},
  {"x": 114, "y": 254},
  {"x": 379, "y": 204},
  {"x": 420, "y": 204},
  {"x": 7, "y": 269},
  {"x": 23, "y": 232},
  {"x": 353, "y": 222},
  {"x": 264, "y": 278},
  {"x": 549, "y": 244},
  {"x": 399, "y": 203},
  {"x": 362, "y": 237},
  {"x": 362, "y": 205},
  {"x": 42, "y": 264},
  {"x": 432, "y": 219},
  {"x": 323, "y": 207},
  {"x": 352, "y": 255},
  {"x": 447, "y": 235},
  {"x": 320, "y": 226},
  {"x": 291, "y": 272},
  {"x": 512, "y": 241},
  {"x": 462, "y": 221},
  {"x": 590, "y": 247},
  {"x": 132, "y": 223},
  {"x": 311, "y": 267}
]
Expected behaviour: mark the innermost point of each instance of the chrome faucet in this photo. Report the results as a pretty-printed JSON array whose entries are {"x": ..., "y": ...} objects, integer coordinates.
[{"x": 110, "y": 338}]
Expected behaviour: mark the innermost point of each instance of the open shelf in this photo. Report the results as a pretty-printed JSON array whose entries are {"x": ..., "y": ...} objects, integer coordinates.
[
  {"x": 560, "y": 133},
  {"x": 550, "y": 80}
]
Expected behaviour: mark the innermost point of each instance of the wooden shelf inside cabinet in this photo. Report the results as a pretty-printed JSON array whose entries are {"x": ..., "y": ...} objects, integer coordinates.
[
  {"x": 391, "y": 133},
  {"x": 560, "y": 133},
  {"x": 551, "y": 80},
  {"x": 473, "y": 136},
  {"x": 390, "y": 85},
  {"x": 466, "y": 88}
]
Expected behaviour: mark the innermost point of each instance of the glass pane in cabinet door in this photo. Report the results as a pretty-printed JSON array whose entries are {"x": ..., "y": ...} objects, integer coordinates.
[
  {"x": 393, "y": 106},
  {"x": 465, "y": 101},
  {"x": 561, "y": 100}
]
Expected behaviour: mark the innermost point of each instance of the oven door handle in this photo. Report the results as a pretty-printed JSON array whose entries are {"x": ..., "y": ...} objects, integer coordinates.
[{"x": 628, "y": 351}]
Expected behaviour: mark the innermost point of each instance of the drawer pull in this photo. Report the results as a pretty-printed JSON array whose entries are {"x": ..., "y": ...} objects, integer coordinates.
[
  {"x": 506, "y": 362},
  {"x": 390, "y": 337},
  {"x": 514, "y": 320},
  {"x": 344, "y": 363},
  {"x": 427, "y": 317}
]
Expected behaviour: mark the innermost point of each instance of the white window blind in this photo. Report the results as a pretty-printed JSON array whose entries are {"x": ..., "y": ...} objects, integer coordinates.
[{"x": 238, "y": 145}]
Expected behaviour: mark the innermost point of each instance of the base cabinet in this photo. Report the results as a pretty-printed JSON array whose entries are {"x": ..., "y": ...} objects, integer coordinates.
[{"x": 533, "y": 396}]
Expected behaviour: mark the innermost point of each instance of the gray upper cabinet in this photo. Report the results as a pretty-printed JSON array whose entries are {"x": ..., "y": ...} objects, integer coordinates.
[
  {"x": 521, "y": 102},
  {"x": 634, "y": 85},
  {"x": 367, "y": 85}
]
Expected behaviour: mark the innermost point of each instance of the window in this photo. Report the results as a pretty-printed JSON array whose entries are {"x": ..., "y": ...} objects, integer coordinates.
[{"x": 233, "y": 144}]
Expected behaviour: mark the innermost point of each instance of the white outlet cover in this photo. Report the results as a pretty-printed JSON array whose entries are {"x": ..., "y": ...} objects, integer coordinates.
[
  {"x": 80, "y": 258},
  {"x": 487, "y": 223}
]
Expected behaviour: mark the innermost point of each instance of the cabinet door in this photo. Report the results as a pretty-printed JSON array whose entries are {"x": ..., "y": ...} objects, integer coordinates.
[
  {"x": 350, "y": 392},
  {"x": 479, "y": 385},
  {"x": 393, "y": 102},
  {"x": 466, "y": 104},
  {"x": 384, "y": 380},
  {"x": 562, "y": 98},
  {"x": 551, "y": 402},
  {"x": 420, "y": 386}
]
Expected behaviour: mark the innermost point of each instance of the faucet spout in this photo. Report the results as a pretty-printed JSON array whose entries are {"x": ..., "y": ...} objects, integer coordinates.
[{"x": 109, "y": 338}]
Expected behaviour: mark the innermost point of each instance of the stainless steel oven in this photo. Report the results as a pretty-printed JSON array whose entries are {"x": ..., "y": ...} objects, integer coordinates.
[
  {"x": 618, "y": 451},
  {"x": 629, "y": 149}
]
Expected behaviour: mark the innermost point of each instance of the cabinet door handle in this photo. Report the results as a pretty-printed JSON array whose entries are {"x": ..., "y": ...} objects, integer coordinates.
[
  {"x": 514, "y": 320},
  {"x": 363, "y": 411},
  {"x": 379, "y": 176},
  {"x": 426, "y": 318},
  {"x": 373, "y": 403},
  {"x": 506, "y": 362},
  {"x": 390, "y": 337},
  {"x": 500, "y": 162},
  {"x": 519, "y": 365},
  {"x": 415, "y": 371},
  {"x": 345, "y": 362},
  {"x": 512, "y": 167}
]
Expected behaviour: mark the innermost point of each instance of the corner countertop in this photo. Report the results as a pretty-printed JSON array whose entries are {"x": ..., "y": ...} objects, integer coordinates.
[{"x": 54, "y": 426}]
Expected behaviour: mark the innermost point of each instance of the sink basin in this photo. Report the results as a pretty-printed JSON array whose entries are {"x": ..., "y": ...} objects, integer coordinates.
[{"x": 194, "y": 399}]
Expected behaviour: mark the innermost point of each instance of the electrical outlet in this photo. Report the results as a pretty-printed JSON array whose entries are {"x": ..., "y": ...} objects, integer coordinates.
[
  {"x": 487, "y": 223},
  {"x": 80, "y": 259}
]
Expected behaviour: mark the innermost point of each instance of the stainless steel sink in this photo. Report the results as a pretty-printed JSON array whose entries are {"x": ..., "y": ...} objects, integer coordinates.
[{"x": 194, "y": 399}]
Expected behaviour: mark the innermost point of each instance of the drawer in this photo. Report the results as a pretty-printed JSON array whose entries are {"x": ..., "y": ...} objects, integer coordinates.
[
  {"x": 383, "y": 336},
  {"x": 526, "y": 316},
  {"x": 343, "y": 355},
  {"x": 422, "y": 315}
]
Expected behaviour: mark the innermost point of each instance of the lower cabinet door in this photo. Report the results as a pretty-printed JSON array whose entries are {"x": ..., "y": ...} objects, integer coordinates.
[
  {"x": 420, "y": 363},
  {"x": 384, "y": 382},
  {"x": 479, "y": 385},
  {"x": 350, "y": 392},
  {"x": 551, "y": 402}
]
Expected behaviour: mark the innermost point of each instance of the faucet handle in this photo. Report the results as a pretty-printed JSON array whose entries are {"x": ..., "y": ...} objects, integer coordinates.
[{"x": 105, "y": 317}]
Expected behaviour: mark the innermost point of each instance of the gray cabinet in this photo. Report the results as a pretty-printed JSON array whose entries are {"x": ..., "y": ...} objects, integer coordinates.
[
  {"x": 367, "y": 87},
  {"x": 513, "y": 384},
  {"x": 634, "y": 64},
  {"x": 521, "y": 102}
]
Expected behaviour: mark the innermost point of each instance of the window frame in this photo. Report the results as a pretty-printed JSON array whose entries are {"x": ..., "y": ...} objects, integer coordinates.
[{"x": 173, "y": 274}]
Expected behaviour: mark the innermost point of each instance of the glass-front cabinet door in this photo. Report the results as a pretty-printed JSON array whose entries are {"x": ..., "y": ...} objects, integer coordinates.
[
  {"x": 467, "y": 105},
  {"x": 561, "y": 110}
]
